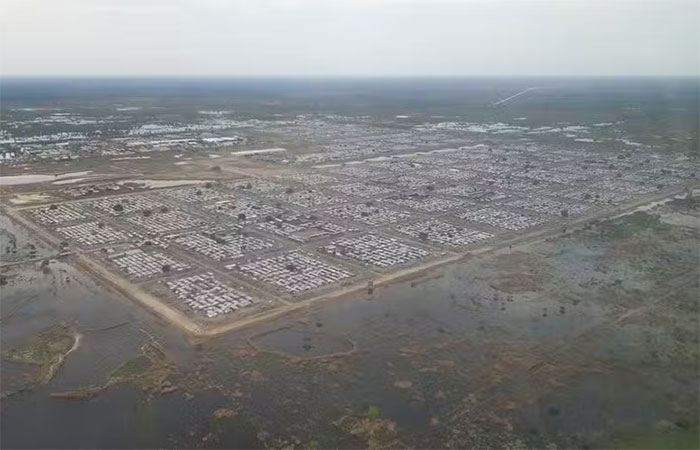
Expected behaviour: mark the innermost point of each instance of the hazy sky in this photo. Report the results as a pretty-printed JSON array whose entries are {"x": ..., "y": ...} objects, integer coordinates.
[{"x": 349, "y": 37}]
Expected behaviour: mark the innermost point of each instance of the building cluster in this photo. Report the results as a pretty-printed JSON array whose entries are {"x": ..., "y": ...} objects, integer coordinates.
[
  {"x": 126, "y": 204},
  {"x": 139, "y": 264},
  {"x": 368, "y": 214},
  {"x": 376, "y": 250},
  {"x": 157, "y": 222},
  {"x": 300, "y": 227},
  {"x": 294, "y": 272},
  {"x": 89, "y": 190},
  {"x": 222, "y": 248},
  {"x": 427, "y": 203},
  {"x": 58, "y": 214},
  {"x": 193, "y": 194},
  {"x": 310, "y": 179},
  {"x": 500, "y": 218},
  {"x": 352, "y": 205},
  {"x": 407, "y": 182},
  {"x": 205, "y": 294},
  {"x": 243, "y": 209},
  {"x": 362, "y": 190},
  {"x": 443, "y": 233},
  {"x": 548, "y": 206},
  {"x": 93, "y": 233},
  {"x": 306, "y": 198}
]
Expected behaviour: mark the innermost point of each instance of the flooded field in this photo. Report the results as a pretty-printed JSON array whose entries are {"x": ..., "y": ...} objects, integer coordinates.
[{"x": 585, "y": 340}]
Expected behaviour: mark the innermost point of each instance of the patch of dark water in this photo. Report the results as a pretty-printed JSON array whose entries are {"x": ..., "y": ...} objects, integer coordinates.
[
  {"x": 302, "y": 343},
  {"x": 122, "y": 417}
]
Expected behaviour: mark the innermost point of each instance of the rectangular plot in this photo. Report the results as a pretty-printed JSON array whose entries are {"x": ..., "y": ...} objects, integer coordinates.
[
  {"x": 444, "y": 233},
  {"x": 362, "y": 190},
  {"x": 549, "y": 207},
  {"x": 300, "y": 228},
  {"x": 427, "y": 203},
  {"x": 221, "y": 248},
  {"x": 158, "y": 222},
  {"x": 126, "y": 204},
  {"x": 368, "y": 214},
  {"x": 501, "y": 218},
  {"x": 57, "y": 214},
  {"x": 194, "y": 194},
  {"x": 93, "y": 233},
  {"x": 294, "y": 272},
  {"x": 311, "y": 179},
  {"x": 243, "y": 209},
  {"x": 205, "y": 294},
  {"x": 307, "y": 198},
  {"x": 376, "y": 250},
  {"x": 138, "y": 264}
]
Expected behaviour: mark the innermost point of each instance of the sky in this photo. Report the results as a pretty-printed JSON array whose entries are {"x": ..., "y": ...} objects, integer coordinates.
[{"x": 349, "y": 37}]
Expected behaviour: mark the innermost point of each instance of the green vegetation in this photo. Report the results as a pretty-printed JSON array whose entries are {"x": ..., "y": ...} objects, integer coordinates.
[
  {"x": 130, "y": 369},
  {"x": 631, "y": 225},
  {"x": 47, "y": 350},
  {"x": 376, "y": 433},
  {"x": 667, "y": 439},
  {"x": 373, "y": 412}
]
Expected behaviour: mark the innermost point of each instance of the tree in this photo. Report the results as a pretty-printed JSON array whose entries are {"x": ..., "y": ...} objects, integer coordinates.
[
  {"x": 146, "y": 213},
  {"x": 423, "y": 236},
  {"x": 241, "y": 216},
  {"x": 118, "y": 207},
  {"x": 164, "y": 209},
  {"x": 53, "y": 207},
  {"x": 564, "y": 212},
  {"x": 166, "y": 268},
  {"x": 291, "y": 267}
]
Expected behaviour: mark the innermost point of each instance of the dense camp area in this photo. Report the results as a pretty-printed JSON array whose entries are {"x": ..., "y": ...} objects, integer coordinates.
[{"x": 350, "y": 263}]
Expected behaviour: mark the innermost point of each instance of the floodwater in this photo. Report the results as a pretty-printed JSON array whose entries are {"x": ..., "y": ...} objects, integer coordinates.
[
  {"x": 579, "y": 342},
  {"x": 14, "y": 180}
]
